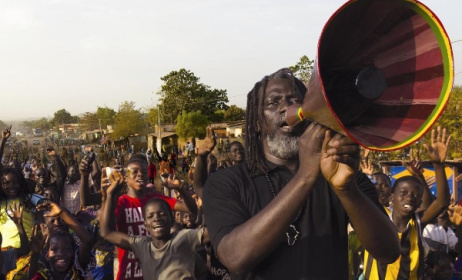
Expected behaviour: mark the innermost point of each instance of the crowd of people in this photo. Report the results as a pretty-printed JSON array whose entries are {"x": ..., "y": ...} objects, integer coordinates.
[{"x": 289, "y": 203}]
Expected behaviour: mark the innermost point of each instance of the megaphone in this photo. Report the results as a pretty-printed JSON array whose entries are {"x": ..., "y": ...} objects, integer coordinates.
[{"x": 383, "y": 73}]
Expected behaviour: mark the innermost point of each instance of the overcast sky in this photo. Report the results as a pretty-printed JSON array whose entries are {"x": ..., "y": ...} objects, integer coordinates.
[{"x": 78, "y": 55}]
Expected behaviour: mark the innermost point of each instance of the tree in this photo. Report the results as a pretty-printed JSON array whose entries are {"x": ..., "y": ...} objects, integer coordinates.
[
  {"x": 105, "y": 116},
  {"x": 153, "y": 116},
  {"x": 42, "y": 123},
  {"x": 191, "y": 125},
  {"x": 63, "y": 117},
  {"x": 128, "y": 121},
  {"x": 89, "y": 121},
  {"x": 183, "y": 91},
  {"x": 234, "y": 113},
  {"x": 303, "y": 68}
]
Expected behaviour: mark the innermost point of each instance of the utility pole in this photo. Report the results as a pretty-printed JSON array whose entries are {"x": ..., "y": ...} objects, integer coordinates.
[{"x": 159, "y": 140}]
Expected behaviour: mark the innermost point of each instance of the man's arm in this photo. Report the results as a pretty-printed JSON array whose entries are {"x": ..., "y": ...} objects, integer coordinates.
[
  {"x": 107, "y": 227},
  {"x": 200, "y": 171},
  {"x": 16, "y": 214},
  {"x": 61, "y": 173},
  {"x": 188, "y": 204},
  {"x": 6, "y": 133},
  {"x": 437, "y": 153},
  {"x": 87, "y": 198},
  {"x": 339, "y": 164},
  {"x": 86, "y": 241}
]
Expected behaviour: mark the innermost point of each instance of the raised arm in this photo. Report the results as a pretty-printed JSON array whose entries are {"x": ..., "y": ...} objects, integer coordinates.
[
  {"x": 85, "y": 237},
  {"x": 200, "y": 171},
  {"x": 339, "y": 163},
  {"x": 188, "y": 204},
  {"x": 108, "y": 228},
  {"x": 6, "y": 133},
  {"x": 60, "y": 169},
  {"x": 86, "y": 197},
  {"x": 15, "y": 212},
  {"x": 437, "y": 153}
]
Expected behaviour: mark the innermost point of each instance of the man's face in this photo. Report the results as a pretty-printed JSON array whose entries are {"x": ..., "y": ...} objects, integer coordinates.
[
  {"x": 383, "y": 189},
  {"x": 137, "y": 176},
  {"x": 73, "y": 173},
  {"x": 41, "y": 176},
  {"x": 277, "y": 135},
  {"x": 236, "y": 153}
]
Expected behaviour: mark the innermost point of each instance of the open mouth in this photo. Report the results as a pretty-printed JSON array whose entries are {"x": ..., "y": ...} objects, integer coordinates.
[
  {"x": 408, "y": 207},
  {"x": 61, "y": 263}
]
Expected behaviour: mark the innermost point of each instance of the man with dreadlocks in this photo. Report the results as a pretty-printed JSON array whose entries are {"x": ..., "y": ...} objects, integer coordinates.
[{"x": 283, "y": 213}]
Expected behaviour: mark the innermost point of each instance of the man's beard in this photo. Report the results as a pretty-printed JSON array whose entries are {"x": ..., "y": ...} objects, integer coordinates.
[{"x": 282, "y": 146}]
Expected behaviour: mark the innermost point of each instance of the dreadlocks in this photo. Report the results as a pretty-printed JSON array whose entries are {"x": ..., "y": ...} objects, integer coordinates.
[
  {"x": 255, "y": 158},
  {"x": 24, "y": 194}
]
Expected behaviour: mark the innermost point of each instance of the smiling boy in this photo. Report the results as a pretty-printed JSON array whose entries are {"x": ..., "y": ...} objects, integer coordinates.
[{"x": 163, "y": 255}]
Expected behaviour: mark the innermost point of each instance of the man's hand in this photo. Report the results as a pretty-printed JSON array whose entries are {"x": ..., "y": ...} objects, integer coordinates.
[
  {"x": 439, "y": 147},
  {"x": 37, "y": 240},
  {"x": 6, "y": 133},
  {"x": 455, "y": 214},
  {"x": 84, "y": 167},
  {"x": 339, "y": 161},
  {"x": 52, "y": 208},
  {"x": 367, "y": 167},
  {"x": 117, "y": 183},
  {"x": 15, "y": 212},
  {"x": 309, "y": 152},
  {"x": 413, "y": 166},
  {"x": 208, "y": 144},
  {"x": 173, "y": 183}
]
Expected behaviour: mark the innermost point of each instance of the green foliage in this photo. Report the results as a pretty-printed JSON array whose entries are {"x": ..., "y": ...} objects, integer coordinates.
[
  {"x": 89, "y": 121},
  {"x": 63, "y": 117},
  {"x": 191, "y": 125},
  {"x": 234, "y": 113},
  {"x": 182, "y": 91},
  {"x": 105, "y": 116},
  {"x": 153, "y": 116},
  {"x": 42, "y": 123},
  {"x": 218, "y": 116},
  {"x": 303, "y": 68},
  {"x": 128, "y": 121}
]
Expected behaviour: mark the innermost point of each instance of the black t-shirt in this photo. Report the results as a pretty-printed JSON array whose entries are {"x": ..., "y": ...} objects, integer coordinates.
[{"x": 231, "y": 197}]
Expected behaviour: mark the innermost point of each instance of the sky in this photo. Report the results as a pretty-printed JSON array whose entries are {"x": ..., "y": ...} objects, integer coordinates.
[{"x": 78, "y": 55}]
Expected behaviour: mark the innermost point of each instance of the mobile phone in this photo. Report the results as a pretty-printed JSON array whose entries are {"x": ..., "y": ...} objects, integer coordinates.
[{"x": 89, "y": 155}]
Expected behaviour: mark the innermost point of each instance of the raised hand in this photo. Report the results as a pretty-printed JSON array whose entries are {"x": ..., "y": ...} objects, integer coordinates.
[
  {"x": 53, "y": 209},
  {"x": 15, "y": 212},
  {"x": 117, "y": 183},
  {"x": 414, "y": 165},
  {"x": 173, "y": 182},
  {"x": 6, "y": 133},
  {"x": 366, "y": 166},
  {"x": 339, "y": 161},
  {"x": 208, "y": 144},
  {"x": 438, "y": 149},
  {"x": 37, "y": 240},
  {"x": 455, "y": 214}
]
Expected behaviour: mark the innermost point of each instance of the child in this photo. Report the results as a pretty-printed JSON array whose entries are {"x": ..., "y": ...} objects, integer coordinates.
[
  {"x": 128, "y": 211},
  {"x": 163, "y": 255},
  {"x": 406, "y": 198},
  {"x": 60, "y": 256}
]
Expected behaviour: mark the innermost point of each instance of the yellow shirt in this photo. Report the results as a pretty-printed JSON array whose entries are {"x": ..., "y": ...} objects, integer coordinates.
[{"x": 8, "y": 227}]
